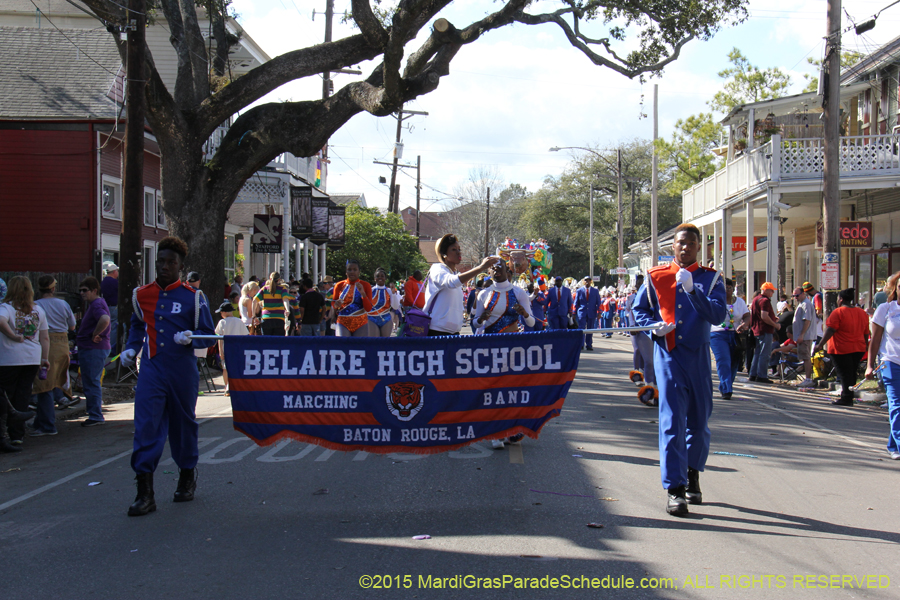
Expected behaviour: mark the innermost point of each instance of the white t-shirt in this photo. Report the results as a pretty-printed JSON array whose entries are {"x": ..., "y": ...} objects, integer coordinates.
[
  {"x": 736, "y": 313},
  {"x": 231, "y": 326},
  {"x": 13, "y": 354},
  {"x": 444, "y": 299},
  {"x": 890, "y": 346}
]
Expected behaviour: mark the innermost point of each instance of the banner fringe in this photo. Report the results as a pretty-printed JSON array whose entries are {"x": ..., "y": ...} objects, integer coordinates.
[{"x": 301, "y": 437}]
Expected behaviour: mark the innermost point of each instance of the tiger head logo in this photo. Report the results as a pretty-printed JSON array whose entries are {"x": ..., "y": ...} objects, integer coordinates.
[{"x": 404, "y": 400}]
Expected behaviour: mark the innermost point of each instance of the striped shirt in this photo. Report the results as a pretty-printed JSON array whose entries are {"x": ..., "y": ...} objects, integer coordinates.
[{"x": 272, "y": 302}]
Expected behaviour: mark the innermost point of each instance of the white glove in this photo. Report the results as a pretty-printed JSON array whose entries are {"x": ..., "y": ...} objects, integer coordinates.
[
  {"x": 184, "y": 337},
  {"x": 684, "y": 277},
  {"x": 663, "y": 329},
  {"x": 127, "y": 357}
]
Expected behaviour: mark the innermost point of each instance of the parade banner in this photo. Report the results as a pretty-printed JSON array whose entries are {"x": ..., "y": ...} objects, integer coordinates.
[
  {"x": 417, "y": 395},
  {"x": 301, "y": 212}
]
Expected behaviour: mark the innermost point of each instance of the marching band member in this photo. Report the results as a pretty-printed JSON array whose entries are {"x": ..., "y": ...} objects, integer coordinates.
[
  {"x": 167, "y": 313},
  {"x": 538, "y": 302},
  {"x": 497, "y": 310},
  {"x": 643, "y": 374},
  {"x": 352, "y": 303},
  {"x": 682, "y": 300},
  {"x": 384, "y": 301},
  {"x": 559, "y": 305},
  {"x": 587, "y": 307}
]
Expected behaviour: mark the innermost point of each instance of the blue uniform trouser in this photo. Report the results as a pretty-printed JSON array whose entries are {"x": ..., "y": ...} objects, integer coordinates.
[
  {"x": 684, "y": 379},
  {"x": 588, "y": 323},
  {"x": 557, "y": 322},
  {"x": 890, "y": 375},
  {"x": 606, "y": 322},
  {"x": 722, "y": 344},
  {"x": 164, "y": 406},
  {"x": 643, "y": 355}
]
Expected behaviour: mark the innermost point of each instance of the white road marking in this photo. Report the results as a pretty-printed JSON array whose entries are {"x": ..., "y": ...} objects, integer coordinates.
[
  {"x": 201, "y": 443},
  {"x": 324, "y": 456},
  {"x": 207, "y": 459},
  {"x": 361, "y": 455},
  {"x": 270, "y": 455}
]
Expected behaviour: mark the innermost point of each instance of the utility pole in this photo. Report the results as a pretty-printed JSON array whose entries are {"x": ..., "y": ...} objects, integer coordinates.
[
  {"x": 591, "y": 269},
  {"x": 654, "y": 198},
  {"x": 394, "y": 200},
  {"x": 832, "y": 201},
  {"x": 619, "y": 201},
  {"x": 418, "y": 193},
  {"x": 487, "y": 225},
  {"x": 133, "y": 185},
  {"x": 326, "y": 76}
]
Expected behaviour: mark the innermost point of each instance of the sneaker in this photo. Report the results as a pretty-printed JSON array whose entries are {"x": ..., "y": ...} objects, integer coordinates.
[
  {"x": 497, "y": 444},
  {"x": 91, "y": 423},
  {"x": 65, "y": 403},
  {"x": 39, "y": 433},
  {"x": 15, "y": 442},
  {"x": 515, "y": 439},
  {"x": 807, "y": 383},
  {"x": 895, "y": 455}
]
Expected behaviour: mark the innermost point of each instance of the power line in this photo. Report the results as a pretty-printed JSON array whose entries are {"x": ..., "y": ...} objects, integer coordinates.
[{"x": 91, "y": 58}]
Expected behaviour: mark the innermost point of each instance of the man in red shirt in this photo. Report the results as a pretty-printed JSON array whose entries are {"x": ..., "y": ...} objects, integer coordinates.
[
  {"x": 763, "y": 323},
  {"x": 411, "y": 292}
]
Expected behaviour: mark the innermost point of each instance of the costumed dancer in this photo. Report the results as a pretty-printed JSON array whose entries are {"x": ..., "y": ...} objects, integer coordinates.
[
  {"x": 352, "y": 303},
  {"x": 682, "y": 300},
  {"x": 587, "y": 308},
  {"x": 643, "y": 375},
  {"x": 498, "y": 310},
  {"x": 385, "y": 300},
  {"x": 559, "y": 305},
  {"x": 167, "y": 313}
]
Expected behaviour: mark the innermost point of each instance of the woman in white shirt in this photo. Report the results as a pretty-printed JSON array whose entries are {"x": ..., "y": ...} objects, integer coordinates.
[
  {"x": 886, "y": 339},
  {"x": 249, "y": 307},
  {"x": 444, "y": 289}
]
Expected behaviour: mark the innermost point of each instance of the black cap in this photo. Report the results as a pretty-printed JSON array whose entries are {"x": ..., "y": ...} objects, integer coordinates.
[
  {"x": 193, "y": 276},
  {"x": 226, "y": 307}
]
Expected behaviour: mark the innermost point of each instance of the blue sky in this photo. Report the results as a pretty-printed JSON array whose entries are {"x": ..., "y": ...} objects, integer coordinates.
[{"x": 518, "y": 91}]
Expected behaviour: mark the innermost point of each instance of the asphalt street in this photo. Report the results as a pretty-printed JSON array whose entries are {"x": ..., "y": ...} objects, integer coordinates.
[{"x": 800, "y": 500}]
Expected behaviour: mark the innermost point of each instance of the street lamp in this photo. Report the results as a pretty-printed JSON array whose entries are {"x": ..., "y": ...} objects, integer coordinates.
[{"x": 619, "y": 226}]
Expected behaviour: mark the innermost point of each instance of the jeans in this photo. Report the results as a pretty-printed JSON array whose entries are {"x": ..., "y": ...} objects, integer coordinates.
[
  {"x": 722, "y": 344},
  {"x": 91, "y": 362},
  {"x": 114, "y": 328},
  {"x": 760, "y": 365},
  {"x": 846, "y": 366},
  {"x": 890, "y": 375},
  {"x": 310, "y": 330},
  {"x": 45, "y": 415}
]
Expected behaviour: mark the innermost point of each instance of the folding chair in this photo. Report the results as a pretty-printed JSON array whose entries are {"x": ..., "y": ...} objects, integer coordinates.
[{"x": 206, "y": 374}]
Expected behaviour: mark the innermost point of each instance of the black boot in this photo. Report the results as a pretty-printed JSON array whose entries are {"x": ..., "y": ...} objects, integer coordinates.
[
  {"x": 693, "y": 493},
  {"x": 144, "y": 503},
  {"x": 677, "y": 505},
  {"x": 5, "y": 446},
  {"x": 187, "y": 484}
]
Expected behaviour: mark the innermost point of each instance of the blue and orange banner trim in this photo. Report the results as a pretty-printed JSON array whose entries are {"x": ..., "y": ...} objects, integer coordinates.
[{"x": 418, "y": 395}]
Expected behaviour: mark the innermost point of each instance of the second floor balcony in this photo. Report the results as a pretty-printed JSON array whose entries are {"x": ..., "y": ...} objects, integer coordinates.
[{"x": 866, "y": 161}]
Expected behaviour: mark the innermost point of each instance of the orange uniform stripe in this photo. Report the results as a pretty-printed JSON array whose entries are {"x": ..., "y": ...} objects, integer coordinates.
[
  {"x": 495, "y": 414},
  {"x": 304, "y": 418},
  {"x": 302, "y": 385},
  {"x": 503, "y": 381}
]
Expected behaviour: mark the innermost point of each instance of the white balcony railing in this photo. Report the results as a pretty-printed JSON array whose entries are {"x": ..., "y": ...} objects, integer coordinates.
[{"x": 790, "y": 160}]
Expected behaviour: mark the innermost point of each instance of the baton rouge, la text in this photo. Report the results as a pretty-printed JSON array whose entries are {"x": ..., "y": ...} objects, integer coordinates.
[{"x": 399, "y": 363}]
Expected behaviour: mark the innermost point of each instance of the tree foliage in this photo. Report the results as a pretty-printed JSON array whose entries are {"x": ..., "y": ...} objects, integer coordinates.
[
  {"x": 689, "y": 154},
  {"x": 467, "y": 217},
  {"x": 376, "y": 239},
  {"x": 748, "y": 83},
  {"x": 559, "y": 212},
  {"x": 183, "y": 119}
]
